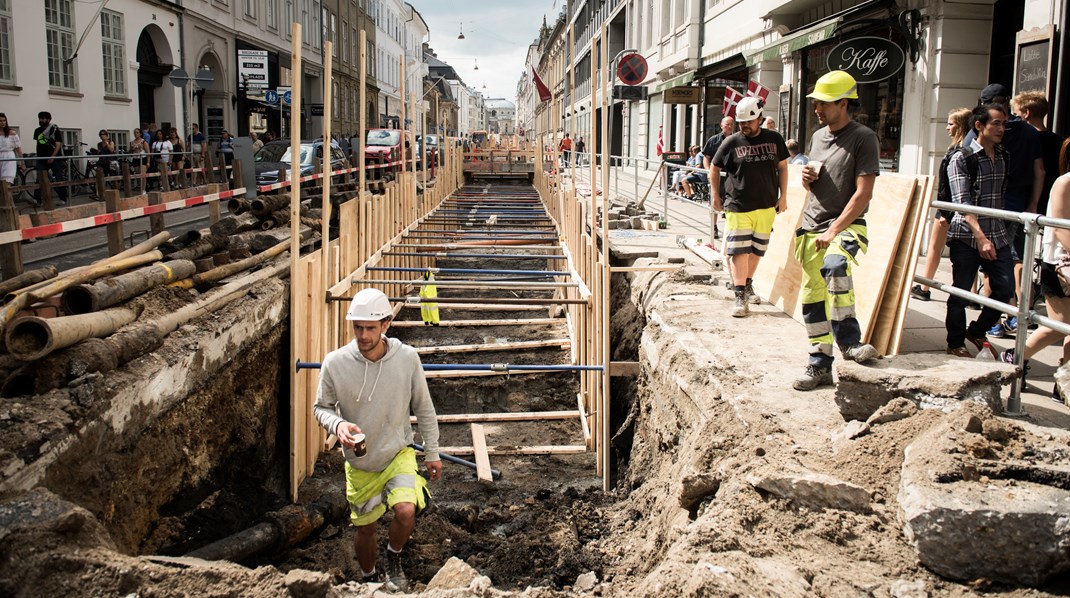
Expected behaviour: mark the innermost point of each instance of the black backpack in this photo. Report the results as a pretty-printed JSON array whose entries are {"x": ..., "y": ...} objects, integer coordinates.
[{"x": 943, "y": 191}]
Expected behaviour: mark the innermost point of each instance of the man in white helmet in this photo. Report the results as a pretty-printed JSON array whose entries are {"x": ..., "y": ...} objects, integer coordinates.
[
  {"x": 756, "y": 189},
  {"x": 844, "y": 163},
  {"x": 366, "y": 392}
]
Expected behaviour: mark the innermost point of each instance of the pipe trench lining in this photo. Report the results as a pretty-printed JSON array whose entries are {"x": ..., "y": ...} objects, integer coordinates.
[
  {"x": 29, "y": 338},
  {"x": 78, "y": 300}
]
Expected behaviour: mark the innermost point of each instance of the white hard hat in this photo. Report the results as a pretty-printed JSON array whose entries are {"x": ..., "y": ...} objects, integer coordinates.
[
  {"x": 748, "y": 109},
  {"x": 369, "y": 304}
]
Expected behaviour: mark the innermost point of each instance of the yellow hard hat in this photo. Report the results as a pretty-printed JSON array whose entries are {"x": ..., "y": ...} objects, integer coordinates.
[{"x": 835, "y": 85}]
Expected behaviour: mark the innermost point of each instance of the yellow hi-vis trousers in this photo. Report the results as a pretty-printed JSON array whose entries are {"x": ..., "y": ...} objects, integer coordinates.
[
  {"x": 429, "y": 311},
  {"x": 827, "y": 294}
]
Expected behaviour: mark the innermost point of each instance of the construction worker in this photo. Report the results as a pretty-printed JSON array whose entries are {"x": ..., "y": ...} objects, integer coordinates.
[
  {"x": 756, "y": 190},
  {"x": 429, "y": 311},
  {"x": 369, "y": 386},
  {"x": 844, "y": 164}
]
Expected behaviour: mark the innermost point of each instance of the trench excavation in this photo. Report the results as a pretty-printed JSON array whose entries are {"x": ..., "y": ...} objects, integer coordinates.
[{"x": 497, "y": 304}]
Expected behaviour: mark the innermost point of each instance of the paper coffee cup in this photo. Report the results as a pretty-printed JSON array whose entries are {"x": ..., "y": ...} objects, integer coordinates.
[
  {"x": 361, "y": 447},
  {"x": 816, "y": 165}
]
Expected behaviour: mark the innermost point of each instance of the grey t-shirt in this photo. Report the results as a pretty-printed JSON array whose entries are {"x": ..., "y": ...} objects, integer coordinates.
[{"x": 851, "y": 152}]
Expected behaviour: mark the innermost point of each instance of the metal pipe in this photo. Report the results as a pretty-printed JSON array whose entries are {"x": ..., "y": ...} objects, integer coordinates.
[
  {"x": 511, "y": 256},
  {"x": 479, "y": 367},
  {"x": 467, "y": 271},
  {"x": 476, "y": 300}
]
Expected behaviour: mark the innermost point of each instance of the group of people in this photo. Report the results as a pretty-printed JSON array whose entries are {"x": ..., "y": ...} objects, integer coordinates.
[
  {"x": 564, "y": 148},
  {"x": 1002, "y": 156},
  {"x": 48, "y": 140}
]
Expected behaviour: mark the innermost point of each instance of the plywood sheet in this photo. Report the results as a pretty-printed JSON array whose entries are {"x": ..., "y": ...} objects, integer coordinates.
[
  {"x": 927, "y": 196},
  {"x": 887, "y": 309},
  {"x": 779, "y": 277}
]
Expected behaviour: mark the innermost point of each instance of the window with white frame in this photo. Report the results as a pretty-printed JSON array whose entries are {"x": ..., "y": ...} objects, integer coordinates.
[
  {"x": 306, "y": 22},
  {"x": 270, "y": 15},
  {"x": 317, "y": 22},
  {"x": 250, "y": 8},
  {"x": 121, "y": 137},
  {"x": 345, "y": 42},
  {"x": 59, "y": 37},
  {"x": 334, "y": 36},
  {"x": 288, "y": 16},
  {"x": 112, "y": 53},
  {"x": 334, "y": 104},
  {"x": 7, "y": 57}
]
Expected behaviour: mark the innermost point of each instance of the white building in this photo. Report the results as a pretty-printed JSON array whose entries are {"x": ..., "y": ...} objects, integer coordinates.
[
  {"x": 500, "y": 115},
  {"x": 400, "y": 34},
  {"x": 115, "y": 80}
]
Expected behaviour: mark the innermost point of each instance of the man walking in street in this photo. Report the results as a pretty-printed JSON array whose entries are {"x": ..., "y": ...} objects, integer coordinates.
[
  {"x": 198, "y": 147},
  {"x": 370, "y": 386},
  {"x": 565, "y": 148},
  {"x": 844, "y": 164},
  {"x": 756, "y": 190},
  {"x": 709, "y": 150},
  {"x": 50, "y": 153},
  {"x": 977, "y": 177}
]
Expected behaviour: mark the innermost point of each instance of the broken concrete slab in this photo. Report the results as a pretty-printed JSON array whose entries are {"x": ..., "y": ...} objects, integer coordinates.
[
  {"x": 852, "y": 430},
  {"x": 303, "y": 583},
  {"x": 812, "y": 489},
  {"x": 586, "y": 582},
  {"x": 454, "y": 575},
  {"x": 930, "y": 381},
  {"x": 973, "y": 506},
  {"x": 895, "y": 410}
]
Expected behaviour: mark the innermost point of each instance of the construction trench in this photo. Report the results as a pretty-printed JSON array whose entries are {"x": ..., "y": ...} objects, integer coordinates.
[{"x": 722, "y": 480}]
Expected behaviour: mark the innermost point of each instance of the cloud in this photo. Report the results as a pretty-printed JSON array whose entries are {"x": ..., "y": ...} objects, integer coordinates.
[{"x": 497, "y": 34}]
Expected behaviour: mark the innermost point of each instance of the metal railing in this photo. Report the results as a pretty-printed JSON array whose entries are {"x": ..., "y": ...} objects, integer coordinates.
[{"x": 1024, "y": 311}]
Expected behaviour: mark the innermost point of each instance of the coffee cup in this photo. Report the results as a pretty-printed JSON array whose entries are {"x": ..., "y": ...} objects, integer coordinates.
[
  {"x": 816, "y": 165},
  {"x": 360, "y": 448}
]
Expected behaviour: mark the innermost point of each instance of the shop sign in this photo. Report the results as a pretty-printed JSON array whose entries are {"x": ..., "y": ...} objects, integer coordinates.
[
  {"x": 684, "y": 94},
  {"x": 253, "y": 68},
  {"x": 867, "y": 59}
]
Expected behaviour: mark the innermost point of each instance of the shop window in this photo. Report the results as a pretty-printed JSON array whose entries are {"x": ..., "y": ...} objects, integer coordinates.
[{"x": 879, "y": 103}]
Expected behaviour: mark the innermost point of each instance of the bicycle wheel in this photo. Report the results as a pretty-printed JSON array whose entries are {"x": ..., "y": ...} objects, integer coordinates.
[{"x": 27, "y": 178}]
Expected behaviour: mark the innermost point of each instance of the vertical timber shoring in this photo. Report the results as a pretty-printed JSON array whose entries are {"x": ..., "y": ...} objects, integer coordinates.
[
  {"x": 594, "y": 340},
  {"x": 328, "y": 274},
  {"x": 296, "y": 446},
  {"x": 604, "y": 274}
]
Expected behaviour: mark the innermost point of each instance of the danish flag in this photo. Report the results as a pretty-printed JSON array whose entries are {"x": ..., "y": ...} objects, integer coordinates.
[
  {"x": 731, "y": 98},
  {"x": 755, "y": 89},
  {"x": 660, "y": 149}
]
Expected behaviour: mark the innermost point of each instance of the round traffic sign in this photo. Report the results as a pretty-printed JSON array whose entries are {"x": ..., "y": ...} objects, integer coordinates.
[
  {"x": 271, "y": 96},
  {"x": 178, "y": 77},
  {"x": 632, "y": 69}
]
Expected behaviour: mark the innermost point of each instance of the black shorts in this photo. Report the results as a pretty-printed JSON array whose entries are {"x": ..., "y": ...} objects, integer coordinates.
[{"x": 1049, "y": 281}]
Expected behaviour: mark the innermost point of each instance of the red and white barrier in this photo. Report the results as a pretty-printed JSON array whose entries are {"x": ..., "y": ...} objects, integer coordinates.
[
  {"x": 319, "y": 175},
  {"x": 56, "y": 228}
]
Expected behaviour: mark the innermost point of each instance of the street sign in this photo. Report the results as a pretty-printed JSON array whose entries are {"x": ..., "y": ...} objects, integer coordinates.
[
  {"x": 178, "y": 77},
  {"x": 286, "y": 98},
  {"x": 253, "y": 68},
  {"x": 204, "y": 78},
  {"x": 632, "y": 69},
  {"x": 683, "y": 94},
  {"x": 271, "y": 96},
  {"x": 316, "y": 109}
]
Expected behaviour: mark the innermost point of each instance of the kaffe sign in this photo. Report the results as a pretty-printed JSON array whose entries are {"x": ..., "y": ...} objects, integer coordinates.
[
  {"x": 684, "y": 94},
  {"x": 867, "y": 59}
]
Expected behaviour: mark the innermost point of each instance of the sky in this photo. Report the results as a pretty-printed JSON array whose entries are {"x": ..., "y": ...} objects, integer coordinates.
[{"x": 497, "y": 34}]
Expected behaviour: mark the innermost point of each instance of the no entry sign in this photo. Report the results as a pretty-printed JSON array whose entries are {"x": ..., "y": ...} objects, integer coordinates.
[{"x": 632, "y": 69}]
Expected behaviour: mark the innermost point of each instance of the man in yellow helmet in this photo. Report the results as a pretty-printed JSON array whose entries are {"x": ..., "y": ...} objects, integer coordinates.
[{"x": 844, "y": 163}]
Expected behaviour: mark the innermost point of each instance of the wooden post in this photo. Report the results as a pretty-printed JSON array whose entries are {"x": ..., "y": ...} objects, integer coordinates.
[
  {"x": 10, "y": 253},
  {"x": 156, "y": 220},
  {"x": 239, "y": 180},
  {"x": 362, "y": 176},
  {"x": 165, "y": 180},
  {"x": 128, "y": 184},
  {"x": 605, "y": 273},
  {"x": 181, "y": 178},
  {"x": 297, "y": 448},
  {"x": 115, "y": 229},
  {"x": 213, "y": 207},
  {"x": 326, "y": 279},
  {"x": 44, "y": 186},
  {"x": 402, "y": 116},
  {"x": 99, "y": 183},
  {"x": 209, "y": 169}
]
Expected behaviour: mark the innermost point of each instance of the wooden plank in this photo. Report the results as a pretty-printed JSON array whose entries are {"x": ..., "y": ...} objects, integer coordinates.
[
  {"x": 512, "y": 416},
  {"x": 902, "y": 260},
  {"x": 779, "y": 277},
  {"x": 449, "y": 323},
  {"x": 471, "y": 374},
  {"x": 650, "y": 268},
  {"x": 479, "y": 444},
  {"x": 624, "y": 368},
  {"x": 480, "y": 307},
  {"x": 927, "y": 196},
  {"x": 516, "y": 450},
  {"x": 584, "y": 424},
  {"x": 563, "y": 342}
]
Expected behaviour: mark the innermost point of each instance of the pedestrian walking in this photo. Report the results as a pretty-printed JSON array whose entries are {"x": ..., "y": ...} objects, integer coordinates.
[
  {"x": 368, "y": 387},
  {"x": 756, "y": 190},
  {"x": 178, "y": 155},
  {"x": 958, "y": 123},
  {"x": 257, "y": 144},
  {"x": 581, "y": 149},
  {"x": 49, "y": 153},
  {"x": 105, "y": 157},
  {"x": 1054, "y": 252},
  {"x": 10, "y": 149},
  {"x": 709, "y": 150},
  {"x": 977, "y": 176},
  {"x": 198, "y": 147},
  {"x": 139, "y": 160},
  {"x": 161, "y": 154},
  {"x": 844, "y": 164},
  {"x": 565, "y": 147}
]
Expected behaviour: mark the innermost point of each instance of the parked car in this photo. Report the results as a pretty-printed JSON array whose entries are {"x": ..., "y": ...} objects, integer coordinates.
[
  {"x": 383, "y": 146},
  {"x": 276, "y": 155}
]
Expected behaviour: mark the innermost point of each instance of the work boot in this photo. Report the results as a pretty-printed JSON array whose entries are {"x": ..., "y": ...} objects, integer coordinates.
[
  {"x": 752, "y": 297},
  {"x": 395, "y": 575},
  {"x": 740, "y": 309},
  {"x": 860, "y": 353},
  {"x": 813, "y": 377}
]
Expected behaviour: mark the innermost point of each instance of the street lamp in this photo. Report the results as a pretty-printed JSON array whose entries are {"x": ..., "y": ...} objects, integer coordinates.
[{"x": 461, "y": 34}]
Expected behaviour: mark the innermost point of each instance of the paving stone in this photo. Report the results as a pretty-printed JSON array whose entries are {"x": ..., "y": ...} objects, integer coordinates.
[
  {"x": 813, "y": 490},
  {"x": 928, "y": 380},
  {"x": 454, "y": 575},
  {"x": 969, "y": 515}
]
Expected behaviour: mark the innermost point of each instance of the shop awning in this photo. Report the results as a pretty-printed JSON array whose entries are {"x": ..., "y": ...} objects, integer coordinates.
[
  {"x": 814, "y": 34},
  {"x": 721, "y": 67},
  {"x": 684, "y": 79}
]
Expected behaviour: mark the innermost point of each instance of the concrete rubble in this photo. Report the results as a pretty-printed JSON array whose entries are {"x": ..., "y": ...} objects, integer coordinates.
[
  {"x": 930, "y": 381},
  {"x": 813, "y": 490}
]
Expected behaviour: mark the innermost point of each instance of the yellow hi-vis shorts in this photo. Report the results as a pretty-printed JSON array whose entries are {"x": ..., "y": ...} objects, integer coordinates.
[
  {"x": 370, "y": 493},
  {"x": 748, "y": 232}
]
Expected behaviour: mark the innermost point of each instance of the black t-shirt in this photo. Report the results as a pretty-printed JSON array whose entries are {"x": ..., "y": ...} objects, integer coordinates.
[
  {"x": 47, "y": 137},
  {"x": 751, "y": 165},
  {"x": 1050, "y": 142},
  {"x": 710, "y": 148}
]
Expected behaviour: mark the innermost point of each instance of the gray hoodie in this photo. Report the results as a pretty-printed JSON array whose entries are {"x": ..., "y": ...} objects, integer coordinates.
[{"x": 377, "y": 396}]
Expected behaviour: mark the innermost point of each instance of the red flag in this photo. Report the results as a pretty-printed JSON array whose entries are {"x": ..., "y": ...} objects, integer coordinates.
[
  {"x": 544, "y": 92},
  {"x": 660, "y": 149},
  {"x": 755, "y": 89},
  {"x": 731, "y": 98}
]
